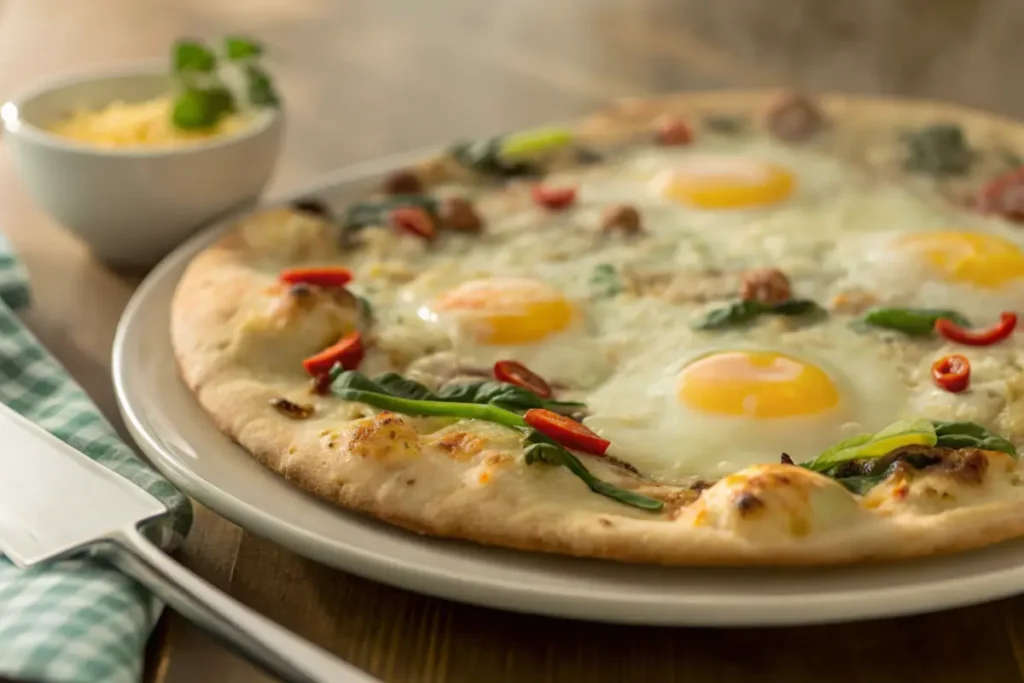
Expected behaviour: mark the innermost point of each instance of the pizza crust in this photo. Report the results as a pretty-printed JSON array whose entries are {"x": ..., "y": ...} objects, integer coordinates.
[{"x": 468, "y": 479}]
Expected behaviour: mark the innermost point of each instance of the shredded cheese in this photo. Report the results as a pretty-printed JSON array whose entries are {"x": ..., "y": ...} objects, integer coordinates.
[{"x": 139, "y": 124}]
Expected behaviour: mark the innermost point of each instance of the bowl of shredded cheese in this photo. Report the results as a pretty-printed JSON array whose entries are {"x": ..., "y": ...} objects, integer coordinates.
[{"x": 133, "y": 162}]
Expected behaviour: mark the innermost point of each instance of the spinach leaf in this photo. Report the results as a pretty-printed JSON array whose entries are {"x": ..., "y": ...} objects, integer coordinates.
[
  {"x": 604, "y": 281},
  {"x": 918, "y": 322},
  {"x": 362, "y": 214},
  {"x": 484, "y": 157},
  {"x": 543, "y": 449},
  {"x": 504, "y": 395},
  {"x": 398, "y": 394},
  {"x": 725, "y": 125},
  {"x": 971, "y": 435},
  {"x": 743, "y": 312},
  {"x": 940, "y": 150},
  {"x": 396, "y": 385}
]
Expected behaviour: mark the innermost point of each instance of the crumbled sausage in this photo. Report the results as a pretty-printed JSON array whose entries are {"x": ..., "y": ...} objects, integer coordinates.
[
  {"x": 794, "y": 118},
  {"x": 1004, "y": 196},
  {"x": 766, "y": 286},
  {"x": 459, "y": 214},
  {"x": 672, "y": 130},
  {"x": 402, "y": 181},
  {"x": 621, "y": 218}
]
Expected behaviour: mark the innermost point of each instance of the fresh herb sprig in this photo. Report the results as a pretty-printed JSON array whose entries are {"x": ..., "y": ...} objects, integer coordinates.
[
  {"x": 495, "y": 402},
  {"x": 940, "y": 149},
  {"x": 363, "y": 214},
  {"x": 916, "y": 322},
  {"x": 744, "y": 312},
  {"x": 605, "y": 282},
  {"x": 864, "y": 461},
  {"x": 203, "y": 93},
  {"x": 486, "y": 158}
]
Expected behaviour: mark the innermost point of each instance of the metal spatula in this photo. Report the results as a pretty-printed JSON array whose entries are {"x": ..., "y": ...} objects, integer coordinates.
[{"x": 55, "y": 502}]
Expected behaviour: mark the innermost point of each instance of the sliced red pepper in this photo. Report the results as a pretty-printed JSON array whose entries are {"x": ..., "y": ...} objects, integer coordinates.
[
  {"x": 414, "y": 220},
  {"x": 566, "y": 431},
  {"x": 673, "y": 131},
  {"x": 516, "y": 373},
  {"x": 321, "y": 276},
  {"x": 348, "y": 351},
  {"x": 952, "y": 373},
  {"x": 998, "y": 332},
  {"x": 554, "y": 198}
]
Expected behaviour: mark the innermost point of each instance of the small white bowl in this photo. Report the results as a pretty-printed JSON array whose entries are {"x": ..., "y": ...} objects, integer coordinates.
[{"x": 132, "y": 206}]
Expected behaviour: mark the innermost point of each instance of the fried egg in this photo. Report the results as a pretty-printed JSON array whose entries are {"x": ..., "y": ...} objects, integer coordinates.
[
  {"x": 518, "y": 318},
  {"x": 977, "y": 273},
  {"x": 713, "y": 411},
  {"x": 716, "y": 182}
]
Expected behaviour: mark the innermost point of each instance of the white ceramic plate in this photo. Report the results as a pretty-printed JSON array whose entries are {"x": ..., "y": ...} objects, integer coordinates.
[{"x": 183, "y": 443}]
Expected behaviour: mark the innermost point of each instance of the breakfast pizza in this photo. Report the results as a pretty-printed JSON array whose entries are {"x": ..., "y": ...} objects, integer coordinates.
[{"x": 730, "y": 328}]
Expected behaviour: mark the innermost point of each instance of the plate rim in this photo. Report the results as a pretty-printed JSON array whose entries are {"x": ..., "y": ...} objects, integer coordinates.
[{"x": 767, "y": 610}]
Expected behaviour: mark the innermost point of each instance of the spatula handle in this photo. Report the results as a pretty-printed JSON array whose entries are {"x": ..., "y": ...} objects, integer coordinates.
[{"x": 275, "y": 649}]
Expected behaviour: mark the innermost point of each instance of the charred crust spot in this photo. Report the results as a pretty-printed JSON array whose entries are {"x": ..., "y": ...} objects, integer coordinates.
[
  {"x": 292, "y": 410},
  {"x": 786, "y": 459},
  {"x": 701, "y": 485},
  {"x": 386, "y": 419},
  {"x": 410, "y": 482},
  {"x": 748, "y": 504},
  {"x": 606, "y": 523}
]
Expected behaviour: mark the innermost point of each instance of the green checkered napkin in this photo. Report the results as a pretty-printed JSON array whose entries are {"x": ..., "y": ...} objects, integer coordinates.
[{"x": 73, "y": 620}]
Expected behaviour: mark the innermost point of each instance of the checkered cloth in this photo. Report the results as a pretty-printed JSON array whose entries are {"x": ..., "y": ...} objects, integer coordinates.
[{"x": 73, "y": 620}]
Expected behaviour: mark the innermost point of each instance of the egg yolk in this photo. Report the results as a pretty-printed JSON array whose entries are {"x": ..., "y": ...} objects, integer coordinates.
[
  {"x": 986, "y": 261},
  {"x": 507, "y": 311},
  {"x": 725, "y": 183},
  {"x": 756, "y": 384}
]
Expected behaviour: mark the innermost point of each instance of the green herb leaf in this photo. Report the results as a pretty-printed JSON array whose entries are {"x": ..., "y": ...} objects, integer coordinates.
[
  {"x": 241, "y": 47},
  {"x": 604, "y": 281},
  {"x": 918, "y": 322},
  {"x": 192, "y": 56},
  {"x": 484, "y": 157},
  {"x": 939, "y": 150},
  {"x": 543, "y": 449},
  {"x": 740, "y": 313},
  {"x": 396, "y": 385},
  {"x": 918, "y": 432},
  {"x": 532, "y": 142},
  {"x": 195, "y": 108},
  {"x": 725, "y": 125},
  {"x": 396, "y": 393},
  {"x": 363, "y": 214},
  {"x": 971, "y": 435},
  {"x": 261, "y": 90},
  {"x": 503, "y": 395}
]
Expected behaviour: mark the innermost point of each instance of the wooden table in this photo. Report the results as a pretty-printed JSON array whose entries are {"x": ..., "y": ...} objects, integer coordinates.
[{"x": 366, "y": 77}]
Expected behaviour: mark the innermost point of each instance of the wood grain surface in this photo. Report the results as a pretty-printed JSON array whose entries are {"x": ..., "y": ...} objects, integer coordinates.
[{"x": 367, "y": 77}]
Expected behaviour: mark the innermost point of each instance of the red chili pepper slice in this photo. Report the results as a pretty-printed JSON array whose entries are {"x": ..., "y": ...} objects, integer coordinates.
[
  {"x": 998, "y": 332},
  {"x": 554, "y": 198},
  {"x": 348, "y": 351},
  {"x": 952, "y": 373},
  {"x": 516, "y": 373},
  {"x": 321, "y": 276},
  {"x": 566, "y": 431},
  {"x": 673, "y": 131},
  {"x": 414, "y": 220}
]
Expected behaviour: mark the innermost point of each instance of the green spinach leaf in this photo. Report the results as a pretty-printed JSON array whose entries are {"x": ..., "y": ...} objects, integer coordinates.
[
  {"x": 743, "y": 312},
  {"x": 940, "y": 150},
  {"x": 918, "y": 322},
  {"x": 971, "y": 435},
  {"x": 604, "y": 281}
]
